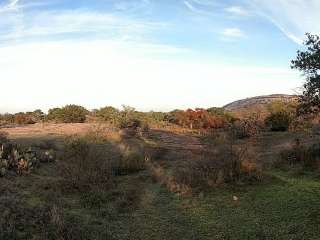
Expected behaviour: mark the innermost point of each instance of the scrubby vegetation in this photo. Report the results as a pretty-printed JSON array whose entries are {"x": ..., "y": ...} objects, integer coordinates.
[
  {"x": 68, "y": 114},
  {"x": 22, "y": 118},
  {"x": 21, "y": 160},
  {"x": 197, "y": 119},
  {"x": 185, "y": 174}
]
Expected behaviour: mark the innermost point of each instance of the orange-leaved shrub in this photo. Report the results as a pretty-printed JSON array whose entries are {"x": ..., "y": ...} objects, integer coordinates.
[{"x": 196, "y": 119}]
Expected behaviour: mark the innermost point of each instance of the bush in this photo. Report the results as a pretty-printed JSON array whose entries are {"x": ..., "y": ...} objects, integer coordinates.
[
  {"x": 85, "y": 163},
  {"x": 215, "y": 168},
  {"x": 109, "y": 114},
  {"x": 132, "y": 160},
  {"x": 22, "y": 118},
  {"x": 131, "y": 123},
  {"x": 297, "y": 154},
  {"x": 196, "y": 119},
  {"x": 6, "y": 119},
  {"x": 68, "y": 114},
  {"x": 246, "y": 128},
  {"x": 91, "y": 161},
  {"x": 279, "y": 121}
]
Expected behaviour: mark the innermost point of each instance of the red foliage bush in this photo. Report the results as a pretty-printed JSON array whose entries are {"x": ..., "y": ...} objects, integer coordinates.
[{"x": 197, "y": 119}]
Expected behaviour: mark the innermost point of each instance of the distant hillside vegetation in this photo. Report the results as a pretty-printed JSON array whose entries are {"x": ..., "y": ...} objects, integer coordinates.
[{"x": 257, "y": 104}]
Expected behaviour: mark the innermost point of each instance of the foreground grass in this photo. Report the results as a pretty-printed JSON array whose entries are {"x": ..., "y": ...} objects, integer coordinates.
[{"x": 285, "y": 206}]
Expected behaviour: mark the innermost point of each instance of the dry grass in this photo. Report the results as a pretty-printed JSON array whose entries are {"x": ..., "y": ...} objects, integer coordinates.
[{"x": 48, "y": 129}]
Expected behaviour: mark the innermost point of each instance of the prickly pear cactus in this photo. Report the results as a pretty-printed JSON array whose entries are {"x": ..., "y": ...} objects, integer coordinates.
[{"x": 20, "y": 160}]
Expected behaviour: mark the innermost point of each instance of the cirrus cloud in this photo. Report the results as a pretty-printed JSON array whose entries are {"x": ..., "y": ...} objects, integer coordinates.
[{"x": 293, "y": 18}]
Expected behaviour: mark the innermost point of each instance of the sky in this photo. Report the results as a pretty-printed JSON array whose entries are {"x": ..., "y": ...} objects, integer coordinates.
[{"x": 149, "y": 54}]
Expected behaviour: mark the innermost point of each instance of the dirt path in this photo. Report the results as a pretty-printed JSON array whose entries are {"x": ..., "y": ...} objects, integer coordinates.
[{"x": 175, "y": 141}]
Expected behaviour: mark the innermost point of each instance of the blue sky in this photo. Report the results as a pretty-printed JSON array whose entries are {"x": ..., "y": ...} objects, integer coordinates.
[{"x": 151, "y": 54}]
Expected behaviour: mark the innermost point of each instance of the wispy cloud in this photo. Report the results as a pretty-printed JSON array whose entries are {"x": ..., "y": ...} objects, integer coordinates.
[
  {"x": 293, "y": 18},
  {"x": 81, "y": 21},
  {"x": 208, "y": 8},
  {"x": 237, "y": 10},
  {"x": 191, "y": 7},
  {"x": 233, "y": 33},
  {"x": 131, "y": 6},
  {"x": 11, "y": 5}
]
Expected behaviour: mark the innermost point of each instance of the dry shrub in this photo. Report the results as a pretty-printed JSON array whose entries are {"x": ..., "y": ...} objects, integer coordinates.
[
  {"x": 132, "y": 158},
  {"x": 246, "y": 128},
  {"x": 103, "y": 133},
  {"x": 85, "y": 163},
  {"x": 298, "y": 154},
  {"x": 214, "y": 168},
  {"x": 92, "y": 160}
]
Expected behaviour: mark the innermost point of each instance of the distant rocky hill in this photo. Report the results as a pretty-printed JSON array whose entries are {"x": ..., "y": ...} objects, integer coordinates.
[{"x": 259, "y": 103}]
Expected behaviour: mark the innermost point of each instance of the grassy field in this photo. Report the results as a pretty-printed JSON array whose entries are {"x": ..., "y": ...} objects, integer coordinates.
[{"x": 285, "y": 205}]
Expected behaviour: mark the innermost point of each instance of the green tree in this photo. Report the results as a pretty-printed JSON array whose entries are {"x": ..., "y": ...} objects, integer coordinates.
[
  {"x": 109, "y": 114},
  {"x": 68, "y": 114},
  {"x": 280, "y": 106},
  {"x": 308, "y": 61},
  {"x": 74, "y": 114},
  {"x": 38, "y": 115},
  {"x": 279, "y": 121},
  {"x": 55, "y": 114}
]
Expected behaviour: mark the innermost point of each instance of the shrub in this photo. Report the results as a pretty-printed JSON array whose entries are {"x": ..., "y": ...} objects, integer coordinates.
[
  {"x": 307, "y": 157},
  {"x": 91, "y": 160},
  {"x": 54, "y": 114},
  {"x": 132, "y": 160},
  {"x": 196, "y": 119},
  {"x": 131, "y": 123},
  {"x": 109, "y": 114},
  {"x": 279, "y": 121},
  {"x": 246, "y": 128},
  {"x": 6, "y": 119},
  {"x": 85, "y": 163},
  {"x": 215, "y": 168},
  {"x": 157, "y": 117},
  {"x": 220, "y": 112},
  {"x": 68, "y": 114}
]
